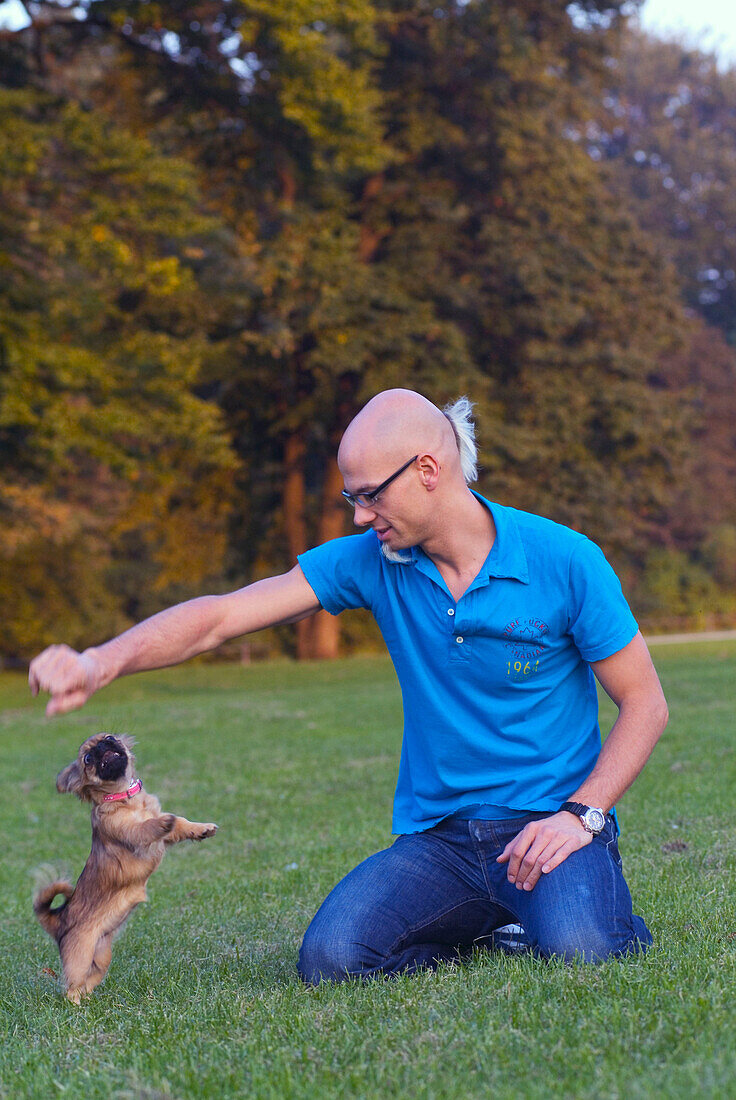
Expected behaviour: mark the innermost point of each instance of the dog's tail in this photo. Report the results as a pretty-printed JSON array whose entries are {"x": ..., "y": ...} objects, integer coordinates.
[{"x": 49, "y": 917}]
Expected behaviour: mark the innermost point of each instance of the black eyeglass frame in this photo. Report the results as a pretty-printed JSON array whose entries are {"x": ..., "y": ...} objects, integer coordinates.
[{"x": 367, "y": 500}]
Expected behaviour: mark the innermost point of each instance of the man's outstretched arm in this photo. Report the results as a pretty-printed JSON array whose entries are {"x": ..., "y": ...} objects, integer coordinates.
[{"x": 170, "y": 637}]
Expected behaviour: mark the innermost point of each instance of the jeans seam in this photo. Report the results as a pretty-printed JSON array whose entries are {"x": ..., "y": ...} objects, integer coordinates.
[
  {"x": 609, "y": 844},
  {"x": 615, "y": 869},
  {"x": 479, "y": 856},
  {"x": 494, "y": 900}
]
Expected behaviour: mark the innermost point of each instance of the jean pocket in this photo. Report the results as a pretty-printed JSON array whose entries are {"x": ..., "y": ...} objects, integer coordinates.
[{"x": 609, "y": 836}]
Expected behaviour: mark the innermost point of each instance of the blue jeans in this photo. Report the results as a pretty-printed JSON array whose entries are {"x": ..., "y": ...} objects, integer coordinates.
[{"x": 434, "y": 895}]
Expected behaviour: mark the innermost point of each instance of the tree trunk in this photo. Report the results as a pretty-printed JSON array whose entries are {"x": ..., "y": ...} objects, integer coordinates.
[
  {"x": 326, "y": 627},
  {"x": 370, "y": 236},
  {"x": 295, "y": 524}
]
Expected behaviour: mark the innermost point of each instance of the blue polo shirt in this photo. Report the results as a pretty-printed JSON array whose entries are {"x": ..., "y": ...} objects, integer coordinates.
[{"x": 500, "y": 704}]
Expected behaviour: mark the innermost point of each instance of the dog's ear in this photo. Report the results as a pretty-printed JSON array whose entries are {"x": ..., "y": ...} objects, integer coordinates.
[
  {"x": 69, "y": 779},
  {"x": 127, "y": 742}
]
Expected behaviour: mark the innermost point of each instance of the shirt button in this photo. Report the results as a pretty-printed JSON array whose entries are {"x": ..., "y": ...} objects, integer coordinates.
[
  {"x": 459, "y": 639},
  {"x": 451, "y": 611}
]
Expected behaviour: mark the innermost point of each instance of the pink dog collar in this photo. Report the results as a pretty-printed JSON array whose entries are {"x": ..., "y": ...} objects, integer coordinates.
[{"x": 134, "y": 787}]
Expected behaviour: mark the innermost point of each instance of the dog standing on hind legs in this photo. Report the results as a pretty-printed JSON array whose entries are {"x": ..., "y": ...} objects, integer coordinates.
[{"x": 129, "y": 834}]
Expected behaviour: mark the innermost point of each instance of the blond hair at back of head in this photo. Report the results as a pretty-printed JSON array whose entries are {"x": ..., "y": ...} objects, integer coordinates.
[{"x": 459, "y": 413}]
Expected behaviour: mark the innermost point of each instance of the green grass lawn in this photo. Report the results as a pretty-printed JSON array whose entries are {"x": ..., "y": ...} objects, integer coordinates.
[{"x": 297, "y": 765}]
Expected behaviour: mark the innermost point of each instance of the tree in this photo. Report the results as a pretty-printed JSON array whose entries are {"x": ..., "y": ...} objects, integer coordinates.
[
  {"x": 667, "y": 139},
  {"x": 276, "y": 106},
  {"x": 495, "y": 211},
  {"x": 410, "y": 201},
  {"x": 705, "y": 500},
  {"x": 101, "y": 435}
]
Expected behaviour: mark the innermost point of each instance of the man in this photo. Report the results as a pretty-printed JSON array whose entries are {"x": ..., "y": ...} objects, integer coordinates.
[{"x": 494, "y": 619}]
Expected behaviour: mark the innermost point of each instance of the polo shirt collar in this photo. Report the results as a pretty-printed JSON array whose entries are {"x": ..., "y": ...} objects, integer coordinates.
[{"x": 507, "y": 558}]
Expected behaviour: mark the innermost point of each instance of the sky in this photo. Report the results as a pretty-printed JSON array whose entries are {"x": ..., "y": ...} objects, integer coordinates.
[{"x": 710, "y": 24}]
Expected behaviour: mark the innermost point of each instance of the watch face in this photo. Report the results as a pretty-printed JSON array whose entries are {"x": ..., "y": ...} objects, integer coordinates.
[{"x": 595, "y": 820}]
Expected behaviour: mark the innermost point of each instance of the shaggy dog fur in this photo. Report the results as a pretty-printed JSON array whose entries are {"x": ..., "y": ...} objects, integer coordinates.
[{"x": 129, "y": 835}]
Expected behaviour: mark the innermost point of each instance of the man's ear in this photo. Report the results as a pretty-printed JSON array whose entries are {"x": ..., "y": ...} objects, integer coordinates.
[
  {"x": 429, "y": 471},
  {"x": 70, "y": 779}
]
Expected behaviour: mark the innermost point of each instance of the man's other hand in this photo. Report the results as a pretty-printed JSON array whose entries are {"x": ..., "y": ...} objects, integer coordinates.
[
  {"x": 69, "y": 678},
  {"x": 541, "y": 846}
]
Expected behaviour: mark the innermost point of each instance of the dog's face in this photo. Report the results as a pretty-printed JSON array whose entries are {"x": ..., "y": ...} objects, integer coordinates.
[{"x": 103, "y": 760}]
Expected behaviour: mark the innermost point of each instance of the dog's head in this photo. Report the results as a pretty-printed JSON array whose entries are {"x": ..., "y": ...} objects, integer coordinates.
[{"x": 105, "y": 762}]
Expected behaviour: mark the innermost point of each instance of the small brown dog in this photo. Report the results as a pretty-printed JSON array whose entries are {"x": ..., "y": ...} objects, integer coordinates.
[{"x": 128, "y": 837}]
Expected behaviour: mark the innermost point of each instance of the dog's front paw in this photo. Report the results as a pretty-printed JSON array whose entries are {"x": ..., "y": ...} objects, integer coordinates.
[{"x": 201, "y": 832}]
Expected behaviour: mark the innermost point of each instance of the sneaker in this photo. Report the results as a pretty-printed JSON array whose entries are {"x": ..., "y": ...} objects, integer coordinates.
[{"x": 511, "y": 939}]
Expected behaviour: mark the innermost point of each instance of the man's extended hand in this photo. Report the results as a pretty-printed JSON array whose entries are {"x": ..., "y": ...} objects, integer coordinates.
[
  {"x": 541, "y": 846},
  {"x": 69, "y": 677}
]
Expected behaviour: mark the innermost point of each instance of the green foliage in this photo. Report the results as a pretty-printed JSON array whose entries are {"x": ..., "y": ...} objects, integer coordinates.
[
  {"x": 50, "y": 591},
  {"x": 666, "y": 137},
  {"x": 719, "y": 554},
  {"x": 319, "y": 58},
  {"x": 325, "y": 331},
  {"x": 108, "y": 345},
  {"x": 102, "y": 338},
  {"x": 669, "y": 136},
  {"x": 676, "y": 591},
  {"x": 266, "y": 212},
  {"x": 499, "y": 215},
  {"x": 293, "y": 79}
]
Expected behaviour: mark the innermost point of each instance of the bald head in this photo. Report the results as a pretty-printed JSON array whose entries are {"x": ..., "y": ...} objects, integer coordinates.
[
  {"x": 394, "y": 425},
  {"x": 424, "y": 502}
]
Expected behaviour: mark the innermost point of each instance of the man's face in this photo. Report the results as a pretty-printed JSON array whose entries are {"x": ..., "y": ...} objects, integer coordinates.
[{"x": 394, "y": 514}]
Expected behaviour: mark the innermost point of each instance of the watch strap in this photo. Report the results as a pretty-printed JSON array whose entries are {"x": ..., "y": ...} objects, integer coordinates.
[
  {"x": 577, "y": 808},
  {"x": 587, "y": 815}
]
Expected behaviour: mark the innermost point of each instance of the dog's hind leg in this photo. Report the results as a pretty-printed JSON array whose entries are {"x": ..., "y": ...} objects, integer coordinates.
[
  {"x": 77, "y": 950},
  {"x": 100, "y": 962}
]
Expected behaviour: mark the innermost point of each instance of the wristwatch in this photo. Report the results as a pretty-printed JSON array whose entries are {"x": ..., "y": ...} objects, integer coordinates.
[{"x": 593, "y": 819}]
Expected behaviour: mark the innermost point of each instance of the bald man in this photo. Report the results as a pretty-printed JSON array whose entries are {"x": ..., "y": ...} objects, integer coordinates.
[{"x": 496, "y": 621}]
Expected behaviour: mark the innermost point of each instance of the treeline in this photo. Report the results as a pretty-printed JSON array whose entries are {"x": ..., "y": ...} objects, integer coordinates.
[{"x": 225, "y": 225}]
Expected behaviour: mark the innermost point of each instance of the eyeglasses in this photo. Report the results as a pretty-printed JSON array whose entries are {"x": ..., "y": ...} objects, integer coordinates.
[{"x": 367, "y": 500}]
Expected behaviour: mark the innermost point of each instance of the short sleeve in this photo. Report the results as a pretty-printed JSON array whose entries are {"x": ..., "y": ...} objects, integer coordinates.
[
  {"x": 600, "y": 620},
  {"x": 343, "y": 573}
]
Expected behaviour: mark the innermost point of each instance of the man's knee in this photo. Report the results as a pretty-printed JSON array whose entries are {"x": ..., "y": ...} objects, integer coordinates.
[
  {"x": 327, "y": 956},
  {"x": 591, "y": 942}
]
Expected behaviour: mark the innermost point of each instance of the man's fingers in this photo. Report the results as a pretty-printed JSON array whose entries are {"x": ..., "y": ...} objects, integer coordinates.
[
  {"x": 530, "y": 867},
  {"x": 545, "y": 861},
  {"x": 516, "y": 850},
  {"x": 559, "y": 857},
  {"x": 62, "y": 704},
  {"x": 539, "y": 848},
  {"x": 69, "y": 678}
]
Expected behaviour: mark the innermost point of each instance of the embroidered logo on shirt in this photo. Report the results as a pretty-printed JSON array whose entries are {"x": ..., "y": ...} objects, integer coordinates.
[{"x": 524, "y": 637}]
